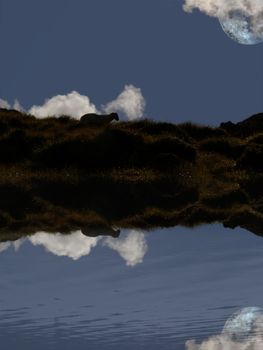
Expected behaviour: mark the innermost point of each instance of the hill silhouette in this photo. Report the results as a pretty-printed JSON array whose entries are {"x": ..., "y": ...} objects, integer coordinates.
[{"x": 58, "y": 175}]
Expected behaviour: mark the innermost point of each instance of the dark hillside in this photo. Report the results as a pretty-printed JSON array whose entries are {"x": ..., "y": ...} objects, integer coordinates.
[{"x": 57, "y": 174}]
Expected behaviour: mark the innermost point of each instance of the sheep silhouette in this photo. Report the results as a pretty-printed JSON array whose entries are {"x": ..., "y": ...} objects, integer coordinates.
[
  {"x": 100, "y": 231},
  {"x": 97, "y": 119}
]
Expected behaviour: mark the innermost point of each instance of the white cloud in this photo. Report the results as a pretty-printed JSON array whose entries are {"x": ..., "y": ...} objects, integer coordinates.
[
  {"x": 72, "y": 104},
  {"x": 130, "y": 102},
  {"x": 131, "y": 248},
  {"x": 4, "y": 104},
  {"x": 17, "y": 106},
  {"x": 221, "y": 9},
  {"x": 74, "y": 245}
]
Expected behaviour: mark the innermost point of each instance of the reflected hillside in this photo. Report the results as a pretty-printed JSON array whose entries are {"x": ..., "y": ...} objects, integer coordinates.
[{"x": 58, "y": 175}]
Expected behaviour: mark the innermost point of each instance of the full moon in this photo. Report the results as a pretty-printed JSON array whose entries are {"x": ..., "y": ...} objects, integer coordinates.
[
  {"x": 239, "y": 28},
  {"x": 244, "y": 324}
]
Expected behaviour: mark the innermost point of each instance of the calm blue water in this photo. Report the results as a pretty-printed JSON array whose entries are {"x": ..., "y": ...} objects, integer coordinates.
[{"x": 154, "y": 290}]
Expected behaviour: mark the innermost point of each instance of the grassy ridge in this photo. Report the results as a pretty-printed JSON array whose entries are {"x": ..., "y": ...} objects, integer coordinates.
[
  {"x": 63, "y": 142},
  {"x": 59, "y": 175}
]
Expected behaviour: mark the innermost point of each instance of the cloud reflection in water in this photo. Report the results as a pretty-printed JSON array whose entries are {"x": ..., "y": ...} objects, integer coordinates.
[
  {"x": 242, "y": 331},
  {"x": 4, "y": 246},
  {"x": 132, "y": 247}
]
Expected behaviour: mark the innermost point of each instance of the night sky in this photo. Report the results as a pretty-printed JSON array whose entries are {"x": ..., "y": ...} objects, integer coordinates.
[
  {"x": 185, "y": 66},
  {"x": 186, "y": 285}
]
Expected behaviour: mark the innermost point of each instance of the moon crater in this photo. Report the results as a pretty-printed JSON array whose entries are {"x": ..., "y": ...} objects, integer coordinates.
[
  {"x": 240, "y": 28},
  {"x": 244, "y": 324}
]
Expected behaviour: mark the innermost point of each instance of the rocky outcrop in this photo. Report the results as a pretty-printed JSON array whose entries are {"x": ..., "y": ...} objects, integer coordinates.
[{"x": 246, "y": 127}]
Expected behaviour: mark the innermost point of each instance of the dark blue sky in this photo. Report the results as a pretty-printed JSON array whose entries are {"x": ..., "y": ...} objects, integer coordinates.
[{"x": 186, "y": 67}]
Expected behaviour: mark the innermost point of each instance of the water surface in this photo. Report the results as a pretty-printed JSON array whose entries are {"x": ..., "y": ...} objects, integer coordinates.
[{"x": 153, "y": 290}]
